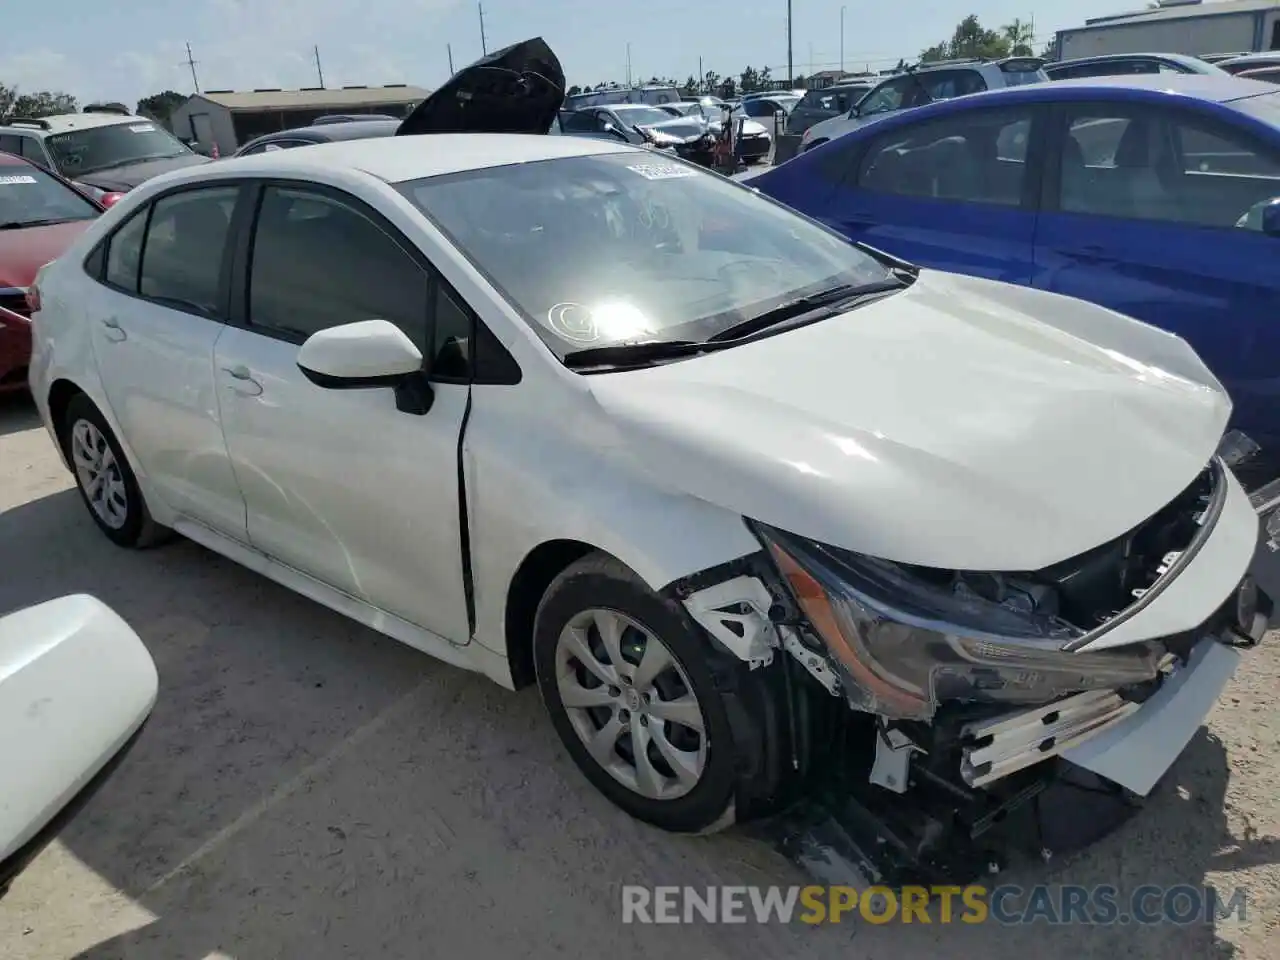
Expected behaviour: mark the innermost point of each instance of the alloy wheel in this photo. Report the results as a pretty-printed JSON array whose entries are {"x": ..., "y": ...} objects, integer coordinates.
[
  {"x": 98, "y": 473},
  {"x": 631, "y": 703}
]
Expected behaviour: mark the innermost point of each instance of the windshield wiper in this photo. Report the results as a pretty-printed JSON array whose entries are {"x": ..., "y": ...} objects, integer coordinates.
[
  {"x": 636, "y": 352},
  {"x": 824, "y": 303},
  {"x": 19, "y": 224}
]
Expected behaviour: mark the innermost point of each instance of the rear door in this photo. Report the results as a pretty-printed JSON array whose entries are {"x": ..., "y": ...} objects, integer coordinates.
[
  {"x": 956, "y": 193},
  {"x": 1140, "y": 214},
  {"x": 155, "y": 319}
]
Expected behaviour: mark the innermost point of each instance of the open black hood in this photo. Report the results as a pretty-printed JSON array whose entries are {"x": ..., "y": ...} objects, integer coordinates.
[{"x": 518, "y": 89}]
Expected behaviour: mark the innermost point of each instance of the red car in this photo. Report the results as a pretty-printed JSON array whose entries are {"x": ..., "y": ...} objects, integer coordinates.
[{"x": 40, "y": 214}]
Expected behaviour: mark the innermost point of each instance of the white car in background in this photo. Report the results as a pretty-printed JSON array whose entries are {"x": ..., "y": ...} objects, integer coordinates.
[{"x": 747, "y": 502}]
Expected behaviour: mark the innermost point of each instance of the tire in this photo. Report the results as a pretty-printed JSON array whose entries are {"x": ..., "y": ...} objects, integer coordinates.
[
  {"x": 125, "y": 520},
  {"x": 599, "y": 587}
]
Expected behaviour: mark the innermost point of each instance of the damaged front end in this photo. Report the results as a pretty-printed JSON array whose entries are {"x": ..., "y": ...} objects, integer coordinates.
[{"x": 944, "y": 723}]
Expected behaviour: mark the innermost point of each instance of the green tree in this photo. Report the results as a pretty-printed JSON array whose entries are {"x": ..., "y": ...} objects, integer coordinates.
[
  {"x": 711, "y": 82},
  {"x": 690, "y": 87},
  {"x": 573, "y": 91},
  {"x": 970, "y": 39},
  {"x": 43, "y": 103},
  {"x": 765, "y": 79},
  {"x": 161, "y": 105},
  {"x": 1020, "y": 36},
  {"x": 749, "y": 81}
]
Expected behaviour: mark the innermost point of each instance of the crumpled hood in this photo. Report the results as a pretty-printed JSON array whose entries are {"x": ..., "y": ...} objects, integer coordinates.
[
  {"x": 960, "y": 424},
  {"x": 125, "y": 178},
  {"x": 518, "y": 89},
  {"x": 687, "y": 128}
]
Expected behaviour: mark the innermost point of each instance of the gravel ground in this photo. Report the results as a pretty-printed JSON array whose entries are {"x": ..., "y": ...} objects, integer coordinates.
[{"x": 307, "y": 788}]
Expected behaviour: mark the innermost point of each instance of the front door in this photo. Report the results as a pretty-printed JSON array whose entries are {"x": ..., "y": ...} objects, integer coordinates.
[
  {"x": 161, "y": 309},
  {"x": 339, "y": 484},
  {"x": 1142, "y": 218},
  {"x": 955, "y": 194}
]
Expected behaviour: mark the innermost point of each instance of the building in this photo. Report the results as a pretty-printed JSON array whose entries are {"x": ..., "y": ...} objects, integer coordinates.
[
  {"x": 1178, "y": 26},
  {"x": 227, "y": 119}
]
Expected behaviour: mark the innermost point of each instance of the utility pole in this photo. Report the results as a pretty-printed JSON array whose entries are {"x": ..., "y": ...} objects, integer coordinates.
[
  {"x": 701, "y": 75},
  {"x": 191, "y": 62},
  {"x": 628, "y": 66},
  {"x": 484, "y": 44},
  {"x": 319, "y": 69},
  {"x": 449, "y": 47},
  {"x": 791, "y": 72},
  {"x": 842, "y": 40}
]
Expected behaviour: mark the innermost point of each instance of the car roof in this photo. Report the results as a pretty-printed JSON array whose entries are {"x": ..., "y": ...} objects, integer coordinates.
[
  {"x": 65, "y": 122},
  {"x": 9, "y": 160},
  {"x": 396, "y": 159},
  {"x": 1252, "y": 57},
  {"x": 1213, "y": 87},
  {"x": 1108, "y": 57}
]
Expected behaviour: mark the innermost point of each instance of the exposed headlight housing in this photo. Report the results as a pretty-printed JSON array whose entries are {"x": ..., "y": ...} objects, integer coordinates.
[{"x": 904, "y": 645}]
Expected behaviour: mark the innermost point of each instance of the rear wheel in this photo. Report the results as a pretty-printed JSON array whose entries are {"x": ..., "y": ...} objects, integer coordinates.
[
  {"x": 629, "y": 690},
  {"x": 103, "y": 476}
]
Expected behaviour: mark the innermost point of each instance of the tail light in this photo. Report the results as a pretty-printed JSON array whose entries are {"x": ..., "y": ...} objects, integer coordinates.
[{"x": 109, "y": 199}]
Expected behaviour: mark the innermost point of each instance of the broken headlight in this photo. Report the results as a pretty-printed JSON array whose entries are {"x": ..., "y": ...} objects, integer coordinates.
[{"x": 905, "y": 640}]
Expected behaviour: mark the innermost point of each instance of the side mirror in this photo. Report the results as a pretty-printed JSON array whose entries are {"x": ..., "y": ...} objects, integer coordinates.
[
  {"x": 367, "y": 354},
  {"x": 78, "y": 688},
  {"x": 1271, "y": 219}
]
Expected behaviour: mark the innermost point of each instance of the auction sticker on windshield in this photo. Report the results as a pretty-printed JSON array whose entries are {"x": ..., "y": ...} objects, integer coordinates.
[
  {"x": 661, "y": 171},
  {"x": 18, "y": 179}
]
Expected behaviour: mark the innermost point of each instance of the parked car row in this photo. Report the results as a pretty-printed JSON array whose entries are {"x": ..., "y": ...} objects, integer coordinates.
[{"x": 765, "y": 514}]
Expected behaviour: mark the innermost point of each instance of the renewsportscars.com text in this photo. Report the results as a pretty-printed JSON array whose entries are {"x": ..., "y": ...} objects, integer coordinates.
[{"x": 1009, "y": 905}]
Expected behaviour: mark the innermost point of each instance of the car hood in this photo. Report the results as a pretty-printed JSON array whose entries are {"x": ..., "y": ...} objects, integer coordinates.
[
  {"x": 24, "y": 251},
  {"x": 687, "y": 128},
  {"x": 959, "y": 424},
  {"x": 518, "y": 89},
  {"x": 124, "y": 178}
]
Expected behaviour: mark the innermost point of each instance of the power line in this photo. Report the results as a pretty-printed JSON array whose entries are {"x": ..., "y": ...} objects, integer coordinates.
[{"x": 191, "y": 62}]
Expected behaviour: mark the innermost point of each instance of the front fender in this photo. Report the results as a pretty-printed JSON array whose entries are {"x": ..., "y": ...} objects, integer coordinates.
[{"x": 528, "y": 484}]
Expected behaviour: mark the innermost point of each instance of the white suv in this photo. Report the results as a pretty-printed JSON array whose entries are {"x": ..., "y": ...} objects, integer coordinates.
[
  {"x": 102, "y": 149},
  {"x": 925, "y": 84}
]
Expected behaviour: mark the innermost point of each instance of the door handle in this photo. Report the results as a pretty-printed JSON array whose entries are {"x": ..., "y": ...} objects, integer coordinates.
[
  {"x": 113, "y": 331},
  {"x": 244, "y": 384}
]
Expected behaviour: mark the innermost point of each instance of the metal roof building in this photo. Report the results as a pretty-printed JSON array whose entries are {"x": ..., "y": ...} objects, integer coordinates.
[
  {"x": 1178, "y": 26},
  {"x": 228, "y": 118}
]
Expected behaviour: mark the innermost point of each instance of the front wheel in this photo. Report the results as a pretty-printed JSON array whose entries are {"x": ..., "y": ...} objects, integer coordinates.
[{"x": 629, "y": 689}]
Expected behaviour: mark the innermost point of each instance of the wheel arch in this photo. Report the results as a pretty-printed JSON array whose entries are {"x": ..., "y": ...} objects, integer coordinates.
[
  {"x": 528, "y": 585},
  {"x": 61, "y": 393}
]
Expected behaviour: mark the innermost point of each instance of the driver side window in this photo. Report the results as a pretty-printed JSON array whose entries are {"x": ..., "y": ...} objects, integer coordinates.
[{"x": 887, "y": 96}]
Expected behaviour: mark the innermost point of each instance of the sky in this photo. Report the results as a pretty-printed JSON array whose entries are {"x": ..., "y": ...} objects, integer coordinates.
[{"x": 96, "y": 51}]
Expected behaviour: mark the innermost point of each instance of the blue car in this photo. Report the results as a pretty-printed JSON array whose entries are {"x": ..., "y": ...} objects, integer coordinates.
[{"x": 1151, "y": 195}]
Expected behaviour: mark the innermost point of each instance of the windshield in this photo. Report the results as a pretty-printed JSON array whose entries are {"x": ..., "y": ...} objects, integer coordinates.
[
  {"x": 29, "y": 196},
  {"x": 1265, "y": 107},
  {"x": 638, "y": 116},
  {"x": 97, "y": 148},
  {"x": 604, "y": 249}
]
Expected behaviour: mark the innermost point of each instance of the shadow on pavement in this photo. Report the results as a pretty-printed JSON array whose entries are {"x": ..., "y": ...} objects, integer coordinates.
[
  {"x": 17, "y": 413},
  {"x": 307, "y": 788}
]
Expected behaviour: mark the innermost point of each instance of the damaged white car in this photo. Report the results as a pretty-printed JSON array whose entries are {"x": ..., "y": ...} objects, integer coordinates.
[{"x": 778, "y": 525}]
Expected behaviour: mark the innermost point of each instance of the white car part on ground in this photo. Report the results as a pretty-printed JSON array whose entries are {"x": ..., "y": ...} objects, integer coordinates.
[{"x": 76, "y": 683}]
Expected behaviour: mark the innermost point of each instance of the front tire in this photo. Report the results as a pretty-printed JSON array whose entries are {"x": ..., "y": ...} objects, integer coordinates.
[
  {"x": 629, "y": 689},
  {"x": 104, "y": 478}
]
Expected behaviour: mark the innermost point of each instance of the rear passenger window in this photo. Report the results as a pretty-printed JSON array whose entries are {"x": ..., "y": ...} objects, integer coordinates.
[
  {"x": 182, "y": 258},
  {"x": 319, "y": 263},
  {"x": 124, "y": 253},
  {"x": 979, "y": 157}
]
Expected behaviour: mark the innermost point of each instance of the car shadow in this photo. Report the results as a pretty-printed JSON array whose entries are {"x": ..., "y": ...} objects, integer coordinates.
[
  {"x": 17, "y": 413},
  {"x": 307, "y": 787}
]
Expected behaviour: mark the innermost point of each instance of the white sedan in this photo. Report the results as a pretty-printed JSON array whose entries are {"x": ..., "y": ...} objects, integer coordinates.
[{"x": 563, "y": 411}]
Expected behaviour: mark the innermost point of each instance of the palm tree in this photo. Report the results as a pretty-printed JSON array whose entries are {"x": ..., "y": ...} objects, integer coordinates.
[{"x": 1019, "y": 35}]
